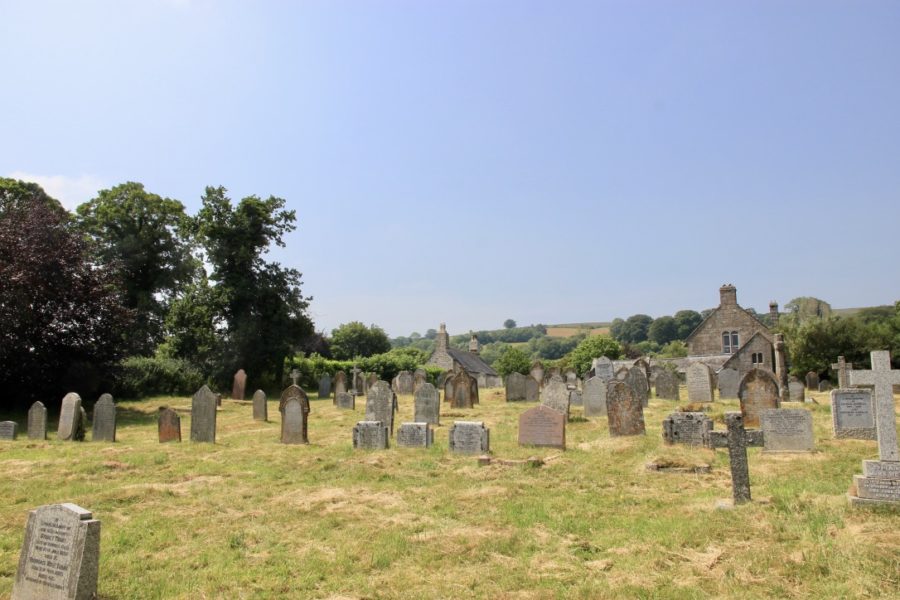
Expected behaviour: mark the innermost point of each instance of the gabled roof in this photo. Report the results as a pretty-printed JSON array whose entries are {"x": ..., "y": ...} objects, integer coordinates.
[
  {"x": 734, "y": 357},
  {"x": 715, "y": 310},
  {"x": 470, "y": 362}
]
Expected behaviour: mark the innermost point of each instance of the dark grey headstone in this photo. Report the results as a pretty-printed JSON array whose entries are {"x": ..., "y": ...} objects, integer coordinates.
[
  {"x": 370, "y": 435},
  {"x": 104, "y": 420},
  {"x": 637, "y": 379},
  {"x": 667, "y": 387},
  {"x": 853, "y": 414},
  {"x": 624, "y": 410},
  {"x": 37, "y": 421},
  {"x": 787, "y": 430},
  {"x": 825, "y": 386},
  {"x": 293, "y": 422},
  {"x": 71, "y": 422},
  {"x": 532, "y": 389},
  {"x": 345, "y": 400},
  {"x": 169, "y": 425},
  {"x": 9, "y": 430},
  {"x": 686, "y": 428},
  {"x": 515, "y": 387},
  {"x": 260, "y": 406},
  {"x": 324, "y": 386},
  {"x": 595, "y": 397},
  {"x": 381, "y": 405},
  {"x": 414, "y": 435},
  {"x": 812, "y": 380},
  {"x": 203, "y": 416},
  {"x": 469, "y": 437},
  {"x": 427, "y": 405},
  {"x": 556, "y": 395},
  {"x": 729, "y": 382}
]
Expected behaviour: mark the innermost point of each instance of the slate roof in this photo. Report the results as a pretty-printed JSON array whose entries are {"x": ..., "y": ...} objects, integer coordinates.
[{"x": 472, "y": 363}]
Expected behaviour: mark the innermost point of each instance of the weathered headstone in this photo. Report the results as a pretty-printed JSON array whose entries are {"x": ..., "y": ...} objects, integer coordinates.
[
  {"x": 637, "y": 379},
  {"x": 556, "y": 395},
  {"x": 104, "y": 420},
  {"x": 624, "y": 410},
  {"x": 603, "y": 368},
  {"x": 542, "y": 426},
  {"x": 842, "y": 367},
  {"x": 736, "y": 439},
  {"x": 37, "y": 421},
  {"x": 515, "y": 387},
  {"x": 532, "y": 389},
  {"x": 427, "y": 407},
  {"x": 481, "y": 378},
  {"x": 825, "y": 385},
  {"x": 797, "y": 391},
  {"x": 381, "y": 405},
  {"x": 289, "y": 429},
  {"x": 758, "y": 391},
  {"x": 812, "y": 380},
  {"x": 71, "y": 423},
  {"x": 414, "y": 435},
  {"x": 622, "y": 373},
  {"x": 370, "y": 435},
  {"x": 358, "y": 382},
  {"x": 169, "y": 425},
  {"x": 686, "y": 428},
  {"x": 729, "y": 382},
  {"x": 203, "y": 416},
  {"x": 9, "y": 430},
  {"x": 461, "y": 390},
  {"x": 260, "y": 406},
  {"x": 699, "y": 383},
  {"x": 571, "y": 379},
  {"x": 787, "y": 430},
  {"x": 405, "y": 382},
  {"x": 575, "y": 398},
  {"x": 345, "y": 400},
  {"x": 60, "y": 557},
  {"x": 469, "y": 437},
  {"x": 594, "y": 397},
  {"x": 537, "y": 371},
  {"x": 339, "y": 383},
  {"x": 853, "y": 414},
  {"x": 420, "y": 378},
  {"x": 239, "y": 387},
  {"x": 667, "y": 387},
  {"x": 324, "y": 386},
  {"x": 371, "y": 379}
]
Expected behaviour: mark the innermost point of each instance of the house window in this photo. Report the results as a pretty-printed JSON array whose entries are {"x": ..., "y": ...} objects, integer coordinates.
[
  {"x": 726, "y": 343},
  {"x": 757, "y": 358},
  {"x": 734, "y": 341}
]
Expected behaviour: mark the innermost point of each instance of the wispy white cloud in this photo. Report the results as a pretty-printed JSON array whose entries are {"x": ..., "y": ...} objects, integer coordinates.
[{"x": 71, "y": 191}]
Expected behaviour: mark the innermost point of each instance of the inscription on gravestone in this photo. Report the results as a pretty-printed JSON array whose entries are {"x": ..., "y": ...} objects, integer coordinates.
[
  {"x": 852, "y": 414},
  {"x": 9, "y": 430},
  {"x": 699, "y": 383},
  {"x": 414, "y": 435},
  {"x": 260, "y": 406},
  {"x": 758, "y": 391},
  {"x": 370, "y": 435},
  {"x": 542, "y": 426},
  {"x": 686, "y": 428},
  {"x": 203, "y": 416},
  {"x": 427, "y": 407},
  {"x": 515, "y": 387},
  {"x": 787, "y": 430},
  {"x": 556, "y": 395},
  {"x": 169, "y": 425},
  {"x": 594, "y": 397},
  {"x": 667, "y": 387},
  {"x": 624, "y": 411},
  {"x": 37, "y": 421},
  {"x": 469, "y": 437}
]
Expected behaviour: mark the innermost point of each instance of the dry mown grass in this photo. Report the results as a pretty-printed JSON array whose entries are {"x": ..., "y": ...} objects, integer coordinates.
[{"x": 252, "y": 518}]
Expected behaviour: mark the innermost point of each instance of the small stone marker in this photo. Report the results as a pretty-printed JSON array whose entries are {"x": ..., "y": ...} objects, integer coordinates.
[
  {"x": 340, "y": 384},
  {"x": 324, "y": 386},
  {"x": 853, "y": 414},
  {"x": 729, "y": 382},
  {"x": 575, "y": 398},
  {"x": 667, "y": 387},
  {"x": 843, "y": 368},
  {"x": 71, "y": 423},
  {"x": 689, "y": 428},
  {"x": 736, "y": 439},
  {"x": 427, "y": 405},
  {"x": 812, "y": 380},
  {"x": 169, "y": 425},
  {"x": 370, "y": 435},
  {"x": 532, "y": 389},
  {"x": 797, "y": 391},
  {"x": 203, "y": 416},
  {"x": 37, "y": 421},
  {"x": 238, "y": 388},
  {"x": 260, "y": 406},
  {"x": 699, "y": 383},
  {"x": 9, "y": 430},
  {"x": 594, "y": 397},
  {"x": 556, "y": 395},
  {"x": 603, "y": 368},
  {"x": 414, "y": 435},
  {"x": 637, "y": 379},
  {"x": 758, "y": 391},
  {"x": 345, "y": 400},
  {"x": 461, "y": 390},
  {"x": 515, "y": 387},
  {"x": 381, "y": 403},
  {"x": 60, "y": 557},
  {"x": 624, "y": 411},
  {"x": 291, "y": 429},
  {"x": 469, "y": 437},
  {"x": 787, "y": 430},
  {"x": 104, "y": 420},
  {"x": 542, "y": 426}
]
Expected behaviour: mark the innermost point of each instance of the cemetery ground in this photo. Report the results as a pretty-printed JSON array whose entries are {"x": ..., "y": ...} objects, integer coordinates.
[{"x": 249, "y": 517}]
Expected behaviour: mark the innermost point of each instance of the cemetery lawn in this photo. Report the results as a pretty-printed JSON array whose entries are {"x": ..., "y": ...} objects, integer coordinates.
[{"x": 249, "y": 517}]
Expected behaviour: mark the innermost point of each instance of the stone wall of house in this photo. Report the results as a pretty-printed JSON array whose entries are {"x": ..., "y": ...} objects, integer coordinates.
[
  {"x": 707, "y": 339},
  {"x": 440, "y": 357},
  {"x": 742, "y": 362}
]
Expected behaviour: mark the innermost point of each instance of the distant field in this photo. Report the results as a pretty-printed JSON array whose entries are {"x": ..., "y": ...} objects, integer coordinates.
[{"x": 570, "y": 331}]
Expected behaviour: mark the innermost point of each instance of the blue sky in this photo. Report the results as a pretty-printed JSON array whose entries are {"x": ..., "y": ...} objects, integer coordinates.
[{"x": 472, "y": 161}]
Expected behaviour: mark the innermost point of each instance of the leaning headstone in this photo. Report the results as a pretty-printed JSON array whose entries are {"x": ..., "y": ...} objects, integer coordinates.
[
  {"x": 380, "y": 405},
  {"x": 812, "y": 380},
  {"x": 339, "y": 383},
  {"x": 37, "y": 421},
  {"x": 624, "y": 410},
  {"x": 260, "y": 406},
  {"x": 667, "y": 387},
  {"x": 461, "y": 390},
  {"x": 542, "y": 426},
  {"x": 603, "y": 368},
  {"x": 239, "y": 387},
  {"x": 345, "y": 400},
  {"x": 699, "y": 383},
  {"x": 575, "y": 398},
  {"x": 736, "y": 439},
  {"x": 427, "y": 405},
  {"x": 60, "y": 557},
  {"x": 637, "y": 379},
  {"x": 169, "y": 425},
  {"x": 556, "y": 395},
  {"x": 414, "y": 435},
  {"x": 758, "y": 391},
  {"x": 532, "y": 389},
  {"x": 594, "y": 397},
  {"x": 469, "y": 437},
  {"x": 9, "y": 430},
  {"x": 686, "y": 428},
  {"x": 515, "y": 387},
  {"x": 324, "y": 386},
  {"x": 405, "y": 382},
  {"x": 370, "y": 435},
  {"x": 853, "y": 414},
  {"x": 203, "y": 416},
  {"x": 729, "y": 382},
  {"x": 104, "y": 420},
  {"x": 71, "y": 425},
  {"x": 294, "y": 426},
  {"x": 797, "y": 391},
  {"x": 787, "y": 430}
]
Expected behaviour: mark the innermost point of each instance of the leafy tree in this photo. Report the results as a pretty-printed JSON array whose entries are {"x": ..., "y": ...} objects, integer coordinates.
[
  {"x": 687, "y": 321},
  {"x": 590, "y": 348},
  {"x": 194, "y": 325},
  {"x": 431, "y": 334},
  {"x": 513, "y": 360},
  {"x": 632, "y": 330},
  {"x": 806, "y": 308},
  {"x": 509, "y": 324},
  {"x": 814, "y": 345},
  {"x": 551, "y": 348},
  {"x": 674, "y": 349},
  {"x": 23, "y": 195},
  {"x": 355, "y": 339},
  {"x": 142, "y": 236},
  {"x": 663, "y": 330}
]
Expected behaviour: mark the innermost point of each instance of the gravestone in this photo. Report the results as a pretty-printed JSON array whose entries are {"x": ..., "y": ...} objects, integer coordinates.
[
  {"x": 260, "y": 406},
  {"x": 239, "y": 387},
  {"x": 358, "y": 382},
  {"x": 853, "y": 414},
  {"x": 288, "y": 429},
  {"x": 729, "y": 382},
  {"x": 405, "y": 382},
  {"x": 469, "y": 437},
  {"x": 880, "y": 481},
  {"x": 420, "y": 378},
  {"x": 655, "y": 370},
  {"x": 324, "y": 386},
  {"x": 736, "y": 439},
  {"x": 481, "y": 378},
  {"x": 532, "y": 389},
  {"x": 537, "y": 371},
  {"x": 825, "y": 386},
  {"x": 624, "y": 410},
  {"x": 571, "y": 379},
  {"x": 622, "y": 373},
  {"x": 371, "y": 379},
  {"x": 414, "y": 435},
  {"x": 796, "y": 391},
  {"x": 689, "y": 428},
  {"x": 699, "y": 383},
  {"x": 71, "y": 422},
  {"x": 60, "y": 556},
  {"x": 461, "y": 390},
  {"x": 345, "y": 400},
  {"x": 758, "y": 391},
  {"x": 812, "y": 380},
  {"x": 169, "y": 424},
  {"x": 515, "y": 387},
  {"x": 575, "y": 398},
  {"x": 381, "y": 405},
  {"x": 542, "y": 426},
  {"x": 9, "y": 430},
  {"x": 203, "y": 416},
  {"x": 427, "y": 407},
  {"x": 339, "y": 383},
  {"x": 637, "y": 379},
  {"x": 37, "y": 421},
  {"x": 667, "y": 387},
  {"x": 644, "y": 366},
  {"x": 370, "y": 435},
  {"x": 594, "y": 397},
  {"x": 842, "y": 368},
  {"x": 556, "y": 395},
  {"x": 104, "y": 420},
  {"x": 218, "y": 399},
  {"x": 787, "y": 430},
  {"x": 603, "y": 368}
]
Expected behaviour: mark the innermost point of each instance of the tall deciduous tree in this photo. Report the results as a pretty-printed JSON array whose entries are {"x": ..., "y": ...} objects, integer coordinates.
[{"x": 355, "y": 339}]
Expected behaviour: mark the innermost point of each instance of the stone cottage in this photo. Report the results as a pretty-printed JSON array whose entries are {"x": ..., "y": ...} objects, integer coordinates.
[{"x": 452, "y": 359}]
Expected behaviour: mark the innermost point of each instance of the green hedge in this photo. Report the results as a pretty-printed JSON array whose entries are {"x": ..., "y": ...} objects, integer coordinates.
[
  {"x": 141, "y": 376},
  {"x": 386, "y": 366}
]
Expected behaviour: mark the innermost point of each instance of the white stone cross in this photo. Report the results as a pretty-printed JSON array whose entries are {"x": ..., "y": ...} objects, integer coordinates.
[
  {"x": 842, "y": 367},
  {"x": 883, "y": 378},
  {"x": 295, "y": 375}
]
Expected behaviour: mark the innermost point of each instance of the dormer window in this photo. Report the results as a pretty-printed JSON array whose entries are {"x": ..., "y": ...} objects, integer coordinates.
[{"x": 730, "y": 342}]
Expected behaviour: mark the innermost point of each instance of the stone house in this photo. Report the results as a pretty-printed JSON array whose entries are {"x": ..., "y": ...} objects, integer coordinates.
[{"x": 452, "y": 359}]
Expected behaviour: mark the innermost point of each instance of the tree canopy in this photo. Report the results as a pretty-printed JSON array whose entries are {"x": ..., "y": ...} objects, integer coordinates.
[{"x": 354, "y": 339}]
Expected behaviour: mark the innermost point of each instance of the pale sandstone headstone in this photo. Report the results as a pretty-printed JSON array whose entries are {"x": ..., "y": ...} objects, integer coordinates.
[
  {"x": 515, "y": 387},
  {"x": 637, "y": 379},
  {"x": 556, "y": 395},
  {"x": 405, "y": 382},
  {"x": 699, "y": 383},
  {"x": 414, "y": 435},
  {"x": 9, "y": 430},
  {"x": 624, "y": 410},
  {"x": 686, "y": 428},
  {"x": 289, "y": 429},
  {"x": 203, "y": 416},
  {"x": 575, "y": 398},
  {"x": 239, "y": 386},
  {"x": 853, "y": 414},
  {"x": 787, "y": 430},
  {"x": 622, "y": 373},
  {"x": 37, "y": 421},
  {"x": 370, "y": 435},
  {"x": 542, "y": 426},
  {"x": 603, "y": 368},
  {"x": 71, "y": 424},
  {"x": 571, "y": 379},
  {"x": 339, "y": 383},
  {"x": 169, "y": 425},
  {"x": 729, "y": 382},
  {"x": 667, "y": 387},
  {"x": 469, "y": 437},
  {"x": 381, "y": 405},
  {"x": 104, "y": 429},
  {"x": 427, "y": 407},
  {"x": 537, "y": 371},
  {"x": 594, "y": 397},
  {"x": 260, "y": 406},
  {"x": 758, "y": 391}
]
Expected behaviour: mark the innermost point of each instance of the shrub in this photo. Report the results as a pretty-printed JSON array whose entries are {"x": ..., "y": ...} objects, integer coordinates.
[{"x": 142, "y": 376}]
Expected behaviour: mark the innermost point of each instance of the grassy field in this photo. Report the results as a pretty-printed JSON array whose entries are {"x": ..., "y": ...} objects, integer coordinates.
[
  {"x": 570, "y": 331},
  {"x": 249, "y": 517}
]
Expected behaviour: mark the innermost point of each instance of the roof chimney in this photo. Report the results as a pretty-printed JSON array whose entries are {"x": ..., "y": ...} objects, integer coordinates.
[
  {"x": 773, "y": 312},
  {"x": 473, "y": 343},
  {"x": 442, "y": 341},
  {"x": 727, "y": 295}
]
